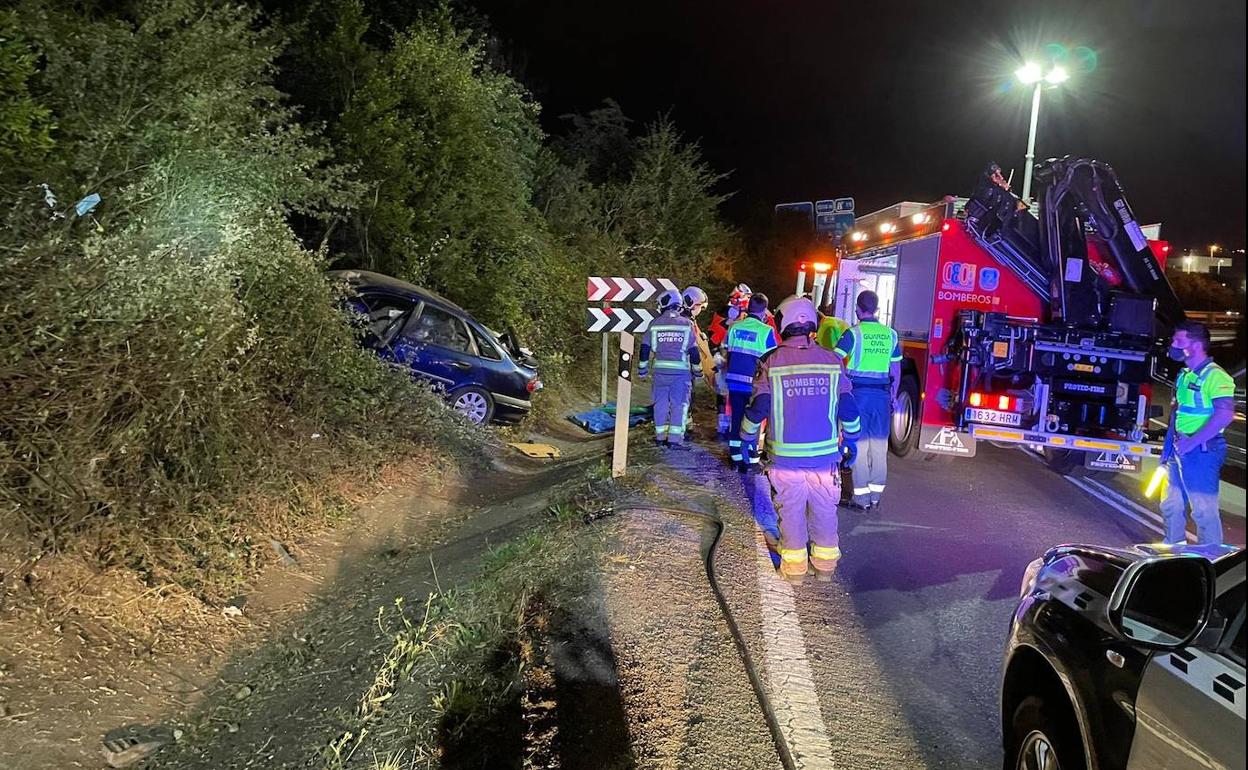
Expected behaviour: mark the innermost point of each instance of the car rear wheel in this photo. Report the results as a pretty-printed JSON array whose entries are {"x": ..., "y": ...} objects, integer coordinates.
[
  {"x": 1044, "y": 739},
  {"x": 474, "y": 403}
]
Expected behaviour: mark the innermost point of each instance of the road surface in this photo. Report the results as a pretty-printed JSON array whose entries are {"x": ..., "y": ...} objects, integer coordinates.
[{"x": 896, "y": 663}]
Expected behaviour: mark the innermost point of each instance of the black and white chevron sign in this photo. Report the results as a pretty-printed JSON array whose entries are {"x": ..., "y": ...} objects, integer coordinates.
[
  {"x": 618, "y": 319},
  {"x": 627, "y": 289}
]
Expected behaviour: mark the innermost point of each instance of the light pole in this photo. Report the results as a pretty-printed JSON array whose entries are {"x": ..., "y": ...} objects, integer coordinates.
[{"x": 1031, "y": 74}]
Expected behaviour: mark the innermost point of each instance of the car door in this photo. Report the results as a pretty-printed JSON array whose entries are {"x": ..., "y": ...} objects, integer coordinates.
[
  {"x": 1190, "y": 705},
  {"x": 437, "y": 345}
]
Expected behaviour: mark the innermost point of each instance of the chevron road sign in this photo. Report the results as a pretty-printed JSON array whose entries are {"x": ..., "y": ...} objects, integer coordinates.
[
  {"x": 627, "y": 289},
  {"x": 618, "y": 319}
]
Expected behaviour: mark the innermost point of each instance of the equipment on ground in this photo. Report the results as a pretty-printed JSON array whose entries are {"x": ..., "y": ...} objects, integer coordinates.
[{"x": 1017, "y": 329}]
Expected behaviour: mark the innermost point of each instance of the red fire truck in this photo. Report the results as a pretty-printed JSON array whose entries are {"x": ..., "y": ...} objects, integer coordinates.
[{"x": 1017, "y": 329}]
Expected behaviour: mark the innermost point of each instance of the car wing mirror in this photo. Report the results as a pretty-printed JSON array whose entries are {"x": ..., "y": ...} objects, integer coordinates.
[{"x": 1163, "y": 602}]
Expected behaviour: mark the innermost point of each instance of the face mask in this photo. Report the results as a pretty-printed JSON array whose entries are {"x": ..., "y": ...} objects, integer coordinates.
[{"x": 1176, "y": 354}]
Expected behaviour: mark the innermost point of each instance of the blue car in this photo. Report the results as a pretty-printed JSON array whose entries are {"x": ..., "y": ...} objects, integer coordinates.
[{"x": 486, "y": 376}]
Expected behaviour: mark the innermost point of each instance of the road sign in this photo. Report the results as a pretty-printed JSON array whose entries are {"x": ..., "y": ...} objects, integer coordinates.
[
  {"x": 627, "y": 289},
  {"x": 618, "y": 319},
  {"x": 804, "y": 209},
  {"x": 834, "y": 217}
]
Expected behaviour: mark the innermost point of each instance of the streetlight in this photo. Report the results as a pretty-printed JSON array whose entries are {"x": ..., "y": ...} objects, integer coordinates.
[{"x": 1032, "y": 74}]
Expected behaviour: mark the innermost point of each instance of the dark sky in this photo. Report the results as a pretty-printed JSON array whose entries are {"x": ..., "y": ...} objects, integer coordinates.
[{"x": 890, "y": 101}]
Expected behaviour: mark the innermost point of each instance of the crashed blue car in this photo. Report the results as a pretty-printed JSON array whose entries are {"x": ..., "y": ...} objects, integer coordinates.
[{"x": 485, "y": 375}]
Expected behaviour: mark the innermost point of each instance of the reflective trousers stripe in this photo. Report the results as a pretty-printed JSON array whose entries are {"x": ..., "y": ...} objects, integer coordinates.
[{"x": 823, "y": 552}]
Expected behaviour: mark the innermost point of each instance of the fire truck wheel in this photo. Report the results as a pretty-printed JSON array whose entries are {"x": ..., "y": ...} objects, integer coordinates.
[{"x": 903, "y": 434}]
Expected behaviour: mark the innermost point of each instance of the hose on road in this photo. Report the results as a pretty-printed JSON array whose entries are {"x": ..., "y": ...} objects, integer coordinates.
[{"x": 747, "y": 660}]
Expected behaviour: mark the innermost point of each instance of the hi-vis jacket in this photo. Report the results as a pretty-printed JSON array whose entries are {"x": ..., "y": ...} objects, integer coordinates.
[
  {"x": 673, "y": 339},
  {"x": 747, "y": 341},
  {"x": 804, "y": 391}
]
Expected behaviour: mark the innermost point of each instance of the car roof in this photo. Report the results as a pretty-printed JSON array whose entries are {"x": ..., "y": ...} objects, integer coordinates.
[{"x": 366, "y": 279}]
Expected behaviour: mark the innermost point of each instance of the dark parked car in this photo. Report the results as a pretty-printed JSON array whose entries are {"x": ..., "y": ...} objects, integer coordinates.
[
  {"x": 486, "y": 376},
  {"x": 1127, "y": 659}
]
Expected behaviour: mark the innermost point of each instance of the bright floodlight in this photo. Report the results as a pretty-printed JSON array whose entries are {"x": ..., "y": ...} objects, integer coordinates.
[
  {"x": 1029, "y": 73},
  {"x": 1057, "y": 75}
]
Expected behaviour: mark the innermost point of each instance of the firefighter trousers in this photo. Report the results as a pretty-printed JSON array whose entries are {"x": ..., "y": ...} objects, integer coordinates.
[
  {"x": 739, "y": 451},
  {"x": 1193, "y": 481},
  {"x": 671, "y": 406},
  {"x": 805, "y": 501},
  {"x": 871, "y": 467}
]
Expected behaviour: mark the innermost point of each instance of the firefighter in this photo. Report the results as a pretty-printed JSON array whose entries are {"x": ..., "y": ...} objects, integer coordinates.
[
  {"x": 872, "y": 358},
  {"x": 672, "y": 338},
  {"x": 830, "y": 328},
  {"x": 801, "y": 390},
  {"x": 747, "y": 341},
  {"x": 1204, "y": 404},
  {"x": 693, "y": 303}
]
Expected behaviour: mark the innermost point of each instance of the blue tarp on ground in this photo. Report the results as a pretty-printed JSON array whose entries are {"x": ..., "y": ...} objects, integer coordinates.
[{"x": 602, "y": 420}]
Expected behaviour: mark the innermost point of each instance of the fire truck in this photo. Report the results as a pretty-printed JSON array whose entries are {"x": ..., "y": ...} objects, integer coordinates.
[{"x": 1016, "y": 328}]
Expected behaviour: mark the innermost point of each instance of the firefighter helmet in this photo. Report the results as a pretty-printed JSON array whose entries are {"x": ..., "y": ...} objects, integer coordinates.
[
  {"x": 798, "y": 316},
  {"x": 669, "y": 300}
]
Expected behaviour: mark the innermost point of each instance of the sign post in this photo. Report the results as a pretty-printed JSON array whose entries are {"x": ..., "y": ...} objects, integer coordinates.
[
  {"x": 626, "y": 321},
  {"x": 623, "y": 405}
]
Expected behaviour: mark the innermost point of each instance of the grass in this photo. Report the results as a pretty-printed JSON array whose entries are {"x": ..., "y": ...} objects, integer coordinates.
[{"x": 456, "y": 660}]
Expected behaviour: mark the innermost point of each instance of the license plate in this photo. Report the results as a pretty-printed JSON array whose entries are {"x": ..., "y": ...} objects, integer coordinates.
[{"x": 993, "y": 417}]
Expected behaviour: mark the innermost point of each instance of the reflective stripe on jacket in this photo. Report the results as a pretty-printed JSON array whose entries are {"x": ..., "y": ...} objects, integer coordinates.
[
  {"x": 802, "y": 389},
  {"x": 1194, "y": 393},
  {"x": 870, "y": 348},
  {"x": 747, "y": 341}
]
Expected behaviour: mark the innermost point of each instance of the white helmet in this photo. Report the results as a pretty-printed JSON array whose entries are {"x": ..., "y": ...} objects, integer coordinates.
[
  {"x": 668, "y": 300},
  {"x": 798, "y": 310}
]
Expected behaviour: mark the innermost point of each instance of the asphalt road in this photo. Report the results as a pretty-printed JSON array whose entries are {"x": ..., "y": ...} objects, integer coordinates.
[{"x": 904, "y": 647}]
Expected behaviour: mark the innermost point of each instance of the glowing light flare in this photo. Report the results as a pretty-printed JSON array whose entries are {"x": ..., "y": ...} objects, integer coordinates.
[
  {"x": 1154, "y": 482},
  {"x": 1029, "y": 74}
]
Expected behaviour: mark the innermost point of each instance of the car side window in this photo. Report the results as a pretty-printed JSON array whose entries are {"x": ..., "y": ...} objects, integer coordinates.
[
  {"x": 486, "y": 347},
  {"x": 384, "y": 317},
  {"x": 438, "y": 327}
]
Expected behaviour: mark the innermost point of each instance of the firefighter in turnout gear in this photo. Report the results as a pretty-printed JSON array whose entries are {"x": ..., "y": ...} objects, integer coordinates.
[
  {"x": 801, "y": 390},
  {"x": 746, "y": 342},
  {"x": 672, "y": 338},
  {"x": 872, "y": 356}
]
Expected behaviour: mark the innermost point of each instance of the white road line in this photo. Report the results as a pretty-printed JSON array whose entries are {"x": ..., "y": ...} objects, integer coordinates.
[
  {"x": 793, "y": 694},
  {"x": 1082, "y": 484}
]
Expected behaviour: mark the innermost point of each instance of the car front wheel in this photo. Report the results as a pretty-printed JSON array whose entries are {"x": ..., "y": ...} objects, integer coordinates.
[
  {"x": 1042, "y": 740},
  {"x": 474, "y": 403}
]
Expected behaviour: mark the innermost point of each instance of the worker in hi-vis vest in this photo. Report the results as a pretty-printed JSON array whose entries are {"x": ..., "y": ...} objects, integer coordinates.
[
  {"x": 872, "y": 356},
  {"x": 747, "y": 341},
  {"x": 1204, "y": 404}
]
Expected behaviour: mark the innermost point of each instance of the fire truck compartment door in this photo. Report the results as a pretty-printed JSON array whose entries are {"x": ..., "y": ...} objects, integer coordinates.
[{"x": 916, "y": 287}]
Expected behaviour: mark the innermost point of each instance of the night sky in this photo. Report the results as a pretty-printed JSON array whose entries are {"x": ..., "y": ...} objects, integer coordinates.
[{"x": 808, "y": 99}]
